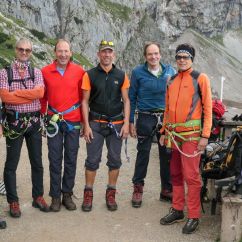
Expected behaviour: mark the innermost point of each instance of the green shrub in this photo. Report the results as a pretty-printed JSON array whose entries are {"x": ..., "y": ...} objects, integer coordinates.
[
  {"x": 3, "y": 62},
  {"x": 40, "y": 55},
  {"x": 3, "y": 37},
  {"x": 39, "y": 35}
]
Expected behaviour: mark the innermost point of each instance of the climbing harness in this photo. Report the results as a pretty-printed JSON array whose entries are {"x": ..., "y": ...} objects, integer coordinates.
[
  {"x": 159, "y": 116},
  {"x": 53, "y": 123},
  {"x": 109, "y": 123},
  {"x": 16, "y": 124},
  {"x": 171, "y": 134}
]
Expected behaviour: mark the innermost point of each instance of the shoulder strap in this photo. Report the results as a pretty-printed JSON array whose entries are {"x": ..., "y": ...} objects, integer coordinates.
[
  {"x": 197, "y": 95},
  {"x": 195, "y": 75},
  {"x": 31, "y": 72},
  {"x": 9, "y": 74},
  {"x": 171, "y": 80}
]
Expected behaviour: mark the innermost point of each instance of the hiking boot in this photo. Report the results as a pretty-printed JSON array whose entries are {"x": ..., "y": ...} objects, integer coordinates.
[
  {"x": 110, "y": 199},
  {"x": 3, "y": 224},
  {"x": 55, "y": 205},
  {"x": 40, "y": 203},
  {"x": 137, "y": 195},
  {"x": 68, "y": 202},
  {"x": 14, "y": 210},
  {"x": 87, "y": 200},
  {"x": 174, "y": 216},
  {"x": 166, "y": 195},
  {"x": 190, "y": 226}
]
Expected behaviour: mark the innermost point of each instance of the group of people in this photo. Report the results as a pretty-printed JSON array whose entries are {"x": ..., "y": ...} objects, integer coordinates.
[{"x": 102, "y": 104}]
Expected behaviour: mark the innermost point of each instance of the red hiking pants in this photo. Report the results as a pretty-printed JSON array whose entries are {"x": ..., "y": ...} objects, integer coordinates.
[{"x": 185, "y": 169}]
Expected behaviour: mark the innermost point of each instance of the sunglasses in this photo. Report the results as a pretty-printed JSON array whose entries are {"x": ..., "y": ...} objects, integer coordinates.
[
  {"x": 22, "y": 50},
  {"x": 105, "y": 42},
  {"x": 184, "y": 57}
]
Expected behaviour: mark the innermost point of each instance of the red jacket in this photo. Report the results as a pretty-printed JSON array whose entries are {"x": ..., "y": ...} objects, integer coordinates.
[{"x": 62, "y": 92}]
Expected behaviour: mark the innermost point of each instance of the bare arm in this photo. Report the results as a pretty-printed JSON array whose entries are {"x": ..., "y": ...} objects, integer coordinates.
[
  {"x": 88, "y": 135},
  {"x": 125, "y": 129}
]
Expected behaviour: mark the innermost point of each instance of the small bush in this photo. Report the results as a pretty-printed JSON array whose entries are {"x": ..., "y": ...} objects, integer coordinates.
[
  {"x": 3, "y": 37},
  {"x": 39, "y": 35},
  {"x": 3, "y": 62},
  {"x": 40, "y": 55}
]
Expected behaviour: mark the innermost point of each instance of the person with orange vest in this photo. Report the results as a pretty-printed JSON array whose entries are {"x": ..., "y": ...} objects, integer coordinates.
[{"x": 186, "y": 129}]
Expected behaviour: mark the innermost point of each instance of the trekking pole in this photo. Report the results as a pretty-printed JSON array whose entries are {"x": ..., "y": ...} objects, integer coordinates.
[{"x": 222, "y": 88}]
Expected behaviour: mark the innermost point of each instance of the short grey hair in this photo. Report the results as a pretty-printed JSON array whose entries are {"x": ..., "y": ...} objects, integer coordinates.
[{"x": 24, "y": 40}]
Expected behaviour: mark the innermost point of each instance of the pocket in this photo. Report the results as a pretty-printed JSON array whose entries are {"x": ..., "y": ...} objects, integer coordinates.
[{"x": 145, "y": 124}]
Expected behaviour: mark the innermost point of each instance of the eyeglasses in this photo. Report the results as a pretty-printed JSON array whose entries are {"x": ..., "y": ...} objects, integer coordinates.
[
  {"x": 22, "y": 50},
  {"x": 105, "y": 42},
  {"x": 184, "y": 57}
]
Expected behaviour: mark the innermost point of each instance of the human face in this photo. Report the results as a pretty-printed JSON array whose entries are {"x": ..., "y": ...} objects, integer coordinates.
[
  {"x": 63, "y": 54},
  {"x": 23, "y": 51},
  {"x": 106, "y": 57},
  {"x": 183, "y": 61},
  {"x": 153, "y": 56}
]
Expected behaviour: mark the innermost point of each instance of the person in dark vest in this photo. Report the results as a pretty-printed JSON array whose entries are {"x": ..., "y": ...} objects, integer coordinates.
[
  {"x": 147, "y": 97},
  {"x": 105, "y": 108},
  {"x": 21, "y": 87},
  {"x": 63, "y": 80}
]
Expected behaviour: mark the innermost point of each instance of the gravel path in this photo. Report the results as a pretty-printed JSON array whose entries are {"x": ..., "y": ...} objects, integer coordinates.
[{"x": 125, "y": 225}]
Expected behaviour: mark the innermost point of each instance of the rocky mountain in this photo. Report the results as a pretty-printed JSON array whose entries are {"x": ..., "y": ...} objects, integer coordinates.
[{"x": 214, "y": 27}]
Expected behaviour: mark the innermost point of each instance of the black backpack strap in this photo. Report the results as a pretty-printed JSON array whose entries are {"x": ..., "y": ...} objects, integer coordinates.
[
  {"x": 9, "y": 74},
  {"x": 197, "y": 95},
  {"x": 171, "y": 80},
  {"x": 31, "y": 72},
  {"x": 195, "y": 75}
]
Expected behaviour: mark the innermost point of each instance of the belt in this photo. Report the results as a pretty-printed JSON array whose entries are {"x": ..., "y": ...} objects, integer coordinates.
[{"x": 97, "y": 116}]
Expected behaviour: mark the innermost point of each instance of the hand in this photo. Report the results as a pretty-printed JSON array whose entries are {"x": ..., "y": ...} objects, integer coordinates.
[
  {"x": 162, "y": 140},
  {"x": 202, "y": 144},
  {"x": 132, "y": 130},
  {"x": 87, "y": 134},
  {"x": 124, "y": 132}
]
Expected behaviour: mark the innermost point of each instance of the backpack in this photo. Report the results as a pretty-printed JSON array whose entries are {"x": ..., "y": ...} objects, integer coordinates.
[
  {"x": 10, "y": 76},
  {"x": 218, "y": 112}
]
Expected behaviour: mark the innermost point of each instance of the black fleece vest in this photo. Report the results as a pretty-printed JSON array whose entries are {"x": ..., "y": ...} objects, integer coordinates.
[{"x": 106, "y": 95}]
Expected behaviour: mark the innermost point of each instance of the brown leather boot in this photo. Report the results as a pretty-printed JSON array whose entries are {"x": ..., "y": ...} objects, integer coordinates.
[
  {"x": 87, "y": 200},
  {"x": 55, "y": 204},
  {"x": 137, "y": 195},
  {"x": 110, "y": 199},
  {"x": 68, "y": 202}
]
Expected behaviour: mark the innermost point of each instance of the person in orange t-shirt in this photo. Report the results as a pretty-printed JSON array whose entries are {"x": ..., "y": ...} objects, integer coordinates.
[
  {"x": 105, "y": 109},
  {"x": 187, "y": 124}
]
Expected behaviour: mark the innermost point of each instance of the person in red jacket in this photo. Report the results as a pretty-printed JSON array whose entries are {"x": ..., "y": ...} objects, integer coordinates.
[
  {"x": 187, "y": 124},
  {"x": 63, "y": 80}
]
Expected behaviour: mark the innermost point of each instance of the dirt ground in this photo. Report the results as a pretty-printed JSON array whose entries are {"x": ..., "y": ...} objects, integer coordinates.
[{"x": 127, "y": 224}]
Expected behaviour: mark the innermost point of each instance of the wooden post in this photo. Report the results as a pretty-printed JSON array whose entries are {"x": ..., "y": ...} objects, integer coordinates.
[{"x": 231, "y": 218}]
